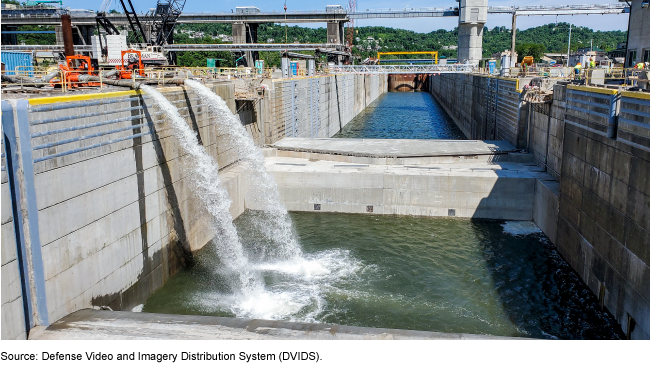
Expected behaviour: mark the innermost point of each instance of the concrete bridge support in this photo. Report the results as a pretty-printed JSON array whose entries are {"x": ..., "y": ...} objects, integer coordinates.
[
  {"x": 246, "y": 33},
  {"x": 472, "y": 18},
  {"x": 335, "y": 35}
]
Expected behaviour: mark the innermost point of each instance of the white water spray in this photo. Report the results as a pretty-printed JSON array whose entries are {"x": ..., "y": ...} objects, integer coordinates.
[
  {"x": 278, "y": 251},
  {"x": 273, "y": 221},
  {"x": 213, "y": 197}
]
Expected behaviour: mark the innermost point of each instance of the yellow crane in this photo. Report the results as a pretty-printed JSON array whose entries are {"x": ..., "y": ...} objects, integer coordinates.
[{"x": 434, "y": 54}]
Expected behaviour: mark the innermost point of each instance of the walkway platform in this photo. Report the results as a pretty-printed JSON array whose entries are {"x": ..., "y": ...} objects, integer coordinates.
[
  {"x": 394, "y": 148},
  {"x": 89, "y": 324}
]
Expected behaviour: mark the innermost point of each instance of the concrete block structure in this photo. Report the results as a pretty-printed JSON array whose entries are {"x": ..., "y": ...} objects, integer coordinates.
[
  {"x": 111, "y": 210},
  {"x": 594, "y": 145},
  {"x": 472, "y": 18},
  {"x": 638, "y": 42}
]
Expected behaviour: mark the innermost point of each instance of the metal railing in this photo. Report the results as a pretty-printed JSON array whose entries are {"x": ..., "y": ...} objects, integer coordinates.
[{"x": 403, "y": 69}]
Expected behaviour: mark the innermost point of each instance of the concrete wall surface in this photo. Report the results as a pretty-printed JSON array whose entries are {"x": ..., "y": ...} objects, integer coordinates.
[
  {"x": 13, "y": 315},
  {"x": 604, "y": 218},
  {"x": 639, "y": 38},
  {"x": 317, "y": 107},
  {"x": 595, "y": 144},
  {"x": 502, "y": 190},
  {"x": 116, "y": 215},
  {"x": 116, "y": 219},
  {"x": 547, "y": 131},
  {"x": 483, "y": 107}
]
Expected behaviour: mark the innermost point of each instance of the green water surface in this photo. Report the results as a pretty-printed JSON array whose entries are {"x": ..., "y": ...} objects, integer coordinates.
[{"x": 432, "y": 274}]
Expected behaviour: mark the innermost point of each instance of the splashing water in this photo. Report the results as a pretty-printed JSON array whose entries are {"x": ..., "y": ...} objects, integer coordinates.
[
  {"x": 214, "y": 199},
  {"x": 277, "y": 250},
  {"x": 272, "y": 220}
]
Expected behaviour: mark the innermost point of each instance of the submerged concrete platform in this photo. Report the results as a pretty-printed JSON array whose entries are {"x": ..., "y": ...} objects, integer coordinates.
[
  {"x": 394, "y": 148},
  {"x": 89, "y": 324}
]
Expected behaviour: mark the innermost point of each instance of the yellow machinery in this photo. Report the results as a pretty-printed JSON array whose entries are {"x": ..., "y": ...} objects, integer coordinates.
[
  {"x": 528, "y": 60},
  {"x": 434, "y": 55}
]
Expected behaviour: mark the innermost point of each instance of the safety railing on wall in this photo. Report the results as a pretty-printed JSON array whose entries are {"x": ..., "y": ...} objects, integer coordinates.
[
  {"x": 43, "y": 79},
  {"x": 634, "y": 120},
  {"x": 143, "y": 118},
  {"x": 593, "y": 109}
]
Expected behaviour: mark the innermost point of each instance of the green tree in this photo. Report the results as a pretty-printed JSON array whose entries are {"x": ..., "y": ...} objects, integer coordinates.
[{"x": 530, "y": 49}]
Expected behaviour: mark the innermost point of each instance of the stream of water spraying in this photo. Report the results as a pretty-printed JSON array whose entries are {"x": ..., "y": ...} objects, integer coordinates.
[
  {"x": 214, "y": 198},
  {"x": 275, "y": 248},
  {"x": 273, "y": 223}
]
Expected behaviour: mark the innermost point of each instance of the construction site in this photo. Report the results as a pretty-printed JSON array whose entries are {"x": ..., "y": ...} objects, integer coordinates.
[{"x": 125, "y": 175}]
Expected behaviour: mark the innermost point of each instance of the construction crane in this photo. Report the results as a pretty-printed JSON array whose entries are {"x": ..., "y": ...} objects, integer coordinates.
[
  {"x": 162, "y": 21},
  {"x": 103, "y": 23},
  {"x": 159, "y": 23}
]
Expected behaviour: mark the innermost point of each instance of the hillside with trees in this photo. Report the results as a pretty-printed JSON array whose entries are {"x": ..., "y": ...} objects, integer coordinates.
[{"x": 368, "y": 40}]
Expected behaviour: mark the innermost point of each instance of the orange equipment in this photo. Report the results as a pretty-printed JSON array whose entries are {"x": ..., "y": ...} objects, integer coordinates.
[
  {"x": 528, "y": 60},
  {"x": 76, "y": 66},
  {"x": 126, "y": 71}
]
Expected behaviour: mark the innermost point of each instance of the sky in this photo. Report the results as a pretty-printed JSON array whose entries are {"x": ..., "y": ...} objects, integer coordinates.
[{"x": 423, "y": 25}]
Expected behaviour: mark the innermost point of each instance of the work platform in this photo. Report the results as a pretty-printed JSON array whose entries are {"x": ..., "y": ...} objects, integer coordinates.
[
  {"x": 89, "y": 324},
  {"x": 394, "y": 148}
]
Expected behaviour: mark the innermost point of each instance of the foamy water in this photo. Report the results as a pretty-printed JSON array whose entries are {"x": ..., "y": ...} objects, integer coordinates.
[
  {"x": 520, "y": 228},
  {"x": 297, "y": 293},
  {"x": 276, "y": 250}
]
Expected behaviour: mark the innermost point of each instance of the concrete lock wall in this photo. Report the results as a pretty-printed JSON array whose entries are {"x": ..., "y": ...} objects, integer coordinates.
[
  {"x": 604, "y": 211},
  {"x": 115, "y": 212},
  {"x": 113, "y": 204},
  {"x": 13, "y": 315},
  {"x": 483, "y": 107},
  {"x": 317, "y": 107},
  {"x": 595, "y": 143}
]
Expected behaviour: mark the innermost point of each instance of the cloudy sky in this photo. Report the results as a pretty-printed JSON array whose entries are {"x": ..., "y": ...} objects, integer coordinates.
[{"x": 597, "y": 22}]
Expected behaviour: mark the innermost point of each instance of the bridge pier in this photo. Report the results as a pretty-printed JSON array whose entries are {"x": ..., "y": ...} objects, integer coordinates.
[
  {"x": 472, "y": 17},
  {"x": 243, "y": 33},
  {"x": 81, "y": 34},
  {"x": 11, "y": 38},
  {"x": 335, "y": 35}
]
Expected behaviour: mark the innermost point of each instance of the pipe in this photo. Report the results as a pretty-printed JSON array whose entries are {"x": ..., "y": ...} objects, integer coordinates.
[
  {"x": 30, "y": 81},
  {"x": 68, "y": 42},
  {"x": 130, "y": 83}
]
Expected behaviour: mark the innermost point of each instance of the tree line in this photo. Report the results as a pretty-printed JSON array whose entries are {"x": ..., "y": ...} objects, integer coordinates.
[{"x": 368, "y": 41}]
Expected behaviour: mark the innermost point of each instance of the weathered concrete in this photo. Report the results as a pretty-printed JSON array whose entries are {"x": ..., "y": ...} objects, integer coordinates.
[
  {"x": 13, "y": 319},
  {"x": 90, "y": 324},
  {"x": 316, "y": 107},
  {"x": 479, "y": 189},
  {"x": 115, "y": 221},
  {"x": 483, "y": 107},
  {"x": 595, "y": 143},
  {"x": 394, "y": 148}
]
